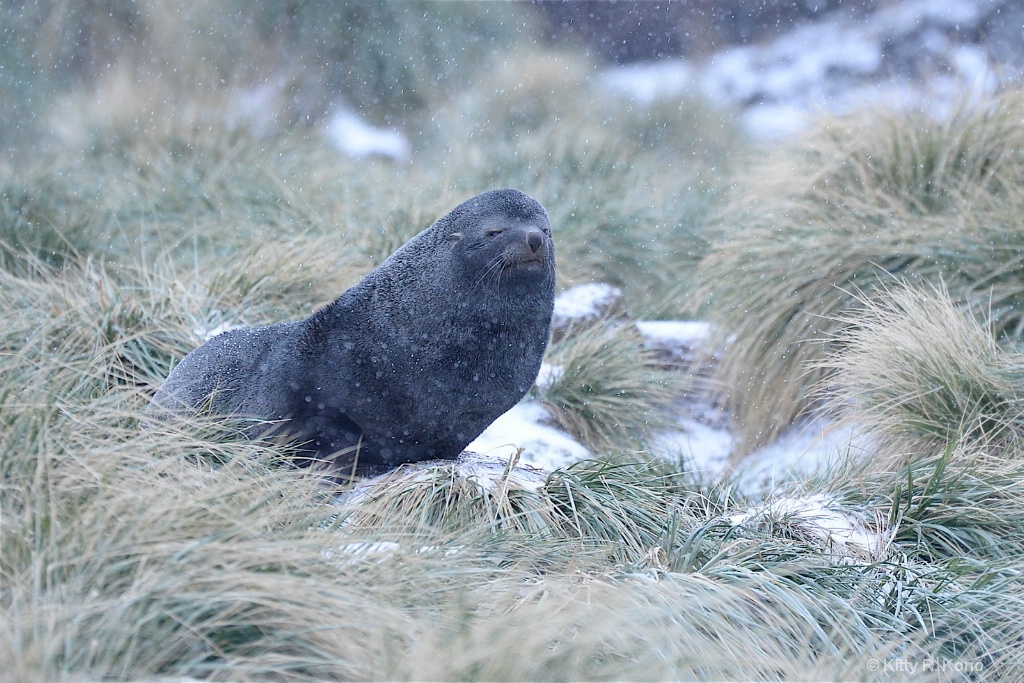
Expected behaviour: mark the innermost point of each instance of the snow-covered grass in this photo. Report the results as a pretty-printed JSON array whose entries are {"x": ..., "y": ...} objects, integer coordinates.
[{"x": 824, "y": 520}]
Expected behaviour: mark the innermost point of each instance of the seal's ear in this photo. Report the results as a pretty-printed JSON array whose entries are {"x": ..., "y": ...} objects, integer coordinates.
[{"x": 454, "y": 237}]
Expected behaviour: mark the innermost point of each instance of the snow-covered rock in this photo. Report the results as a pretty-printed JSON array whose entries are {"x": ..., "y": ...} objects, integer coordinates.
[
  {"x": 490, "y": 472},
  {"x": 681, "y": 342}
]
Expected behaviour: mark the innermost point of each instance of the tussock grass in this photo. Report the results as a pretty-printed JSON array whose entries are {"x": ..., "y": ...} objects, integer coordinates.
[
  {"x": 607, "y": 627},
  {"x": 793, "y": 604},
  {"x": 182, "y": 550},
  {"x": 959, "y": 505},
  {"x": 185, "y": 191},
  {"x": 186, "y": 551},
  {"x": 122, "y": 560},
  {"x": 922, "y": 373},
  {"x": 127, "y": 556},
  {"x": 578, "y": 507},
  {"x": 940, "y": 401},
  {"x": 618, "y": 222},
  {"x": 106, "y": 326},
  {"x": 863, "y": 199},
  {"x": 609, "y": 391}
]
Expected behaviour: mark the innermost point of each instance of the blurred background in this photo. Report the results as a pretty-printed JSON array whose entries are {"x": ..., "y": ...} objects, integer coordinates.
[{"x": 387, "y": 78}]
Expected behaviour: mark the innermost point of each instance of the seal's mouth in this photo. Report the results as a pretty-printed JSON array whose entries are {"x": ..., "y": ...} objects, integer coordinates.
[{"x": 533, "y": 263}]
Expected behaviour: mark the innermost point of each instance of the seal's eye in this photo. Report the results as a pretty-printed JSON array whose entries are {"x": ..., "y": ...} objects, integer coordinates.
[{"x": 491, "y": 234}]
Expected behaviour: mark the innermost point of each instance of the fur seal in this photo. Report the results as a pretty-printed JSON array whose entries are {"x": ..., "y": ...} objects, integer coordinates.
[{"x": 410, "y": 364}]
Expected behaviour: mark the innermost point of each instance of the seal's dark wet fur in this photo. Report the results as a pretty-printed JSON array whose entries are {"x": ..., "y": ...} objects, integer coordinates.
[{"x": 412, "y": 363}]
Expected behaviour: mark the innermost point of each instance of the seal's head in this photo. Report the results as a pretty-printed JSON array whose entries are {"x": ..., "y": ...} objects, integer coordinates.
[{"x": 501, "y": 236}]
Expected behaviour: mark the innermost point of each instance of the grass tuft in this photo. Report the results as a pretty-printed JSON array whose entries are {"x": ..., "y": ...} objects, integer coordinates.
[
  {"x": 939, "y": 400},
  {"x": 922, "y": 373},
  {"x": 608, "y": 389},
  {"x": 861, "y": 200}
]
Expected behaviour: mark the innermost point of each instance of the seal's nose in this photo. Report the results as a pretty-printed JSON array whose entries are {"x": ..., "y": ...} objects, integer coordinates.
[{"x": 535, "y": 240}]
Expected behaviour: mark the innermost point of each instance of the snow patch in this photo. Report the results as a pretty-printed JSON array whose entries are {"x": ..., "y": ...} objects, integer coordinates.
[
  {"x": 822, "y": 518},
  {"x": 350, "y": 553},
  {"x": 646, "y": 83},
  {"x": 359, "y": 140},
  {"x": 909, "y": 53},
  {"x": 704, "y": 449},
  {"x": 585, "y": 301},
  {"x": 673, "y": 333},
  {"x": 791, "y": 65},
  {"x": 548, "y": 375},
  {"x": 705, "y": 445},
  {"x": 523, "y": 427},
  {"x": 353, "y": 552},
  {"x": 802, "y": 451},
  {"x": 907, "y": 16}
]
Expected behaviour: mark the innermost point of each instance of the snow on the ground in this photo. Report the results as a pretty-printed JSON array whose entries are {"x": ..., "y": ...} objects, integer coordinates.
[
  {"x": 381, "y": 551},
  {"x": 804, "y": 449},
  {"x": 358, "y": 139},
  {"x": 584, "y": 302},
  {"x": 822, "y": 518},
  {"x": 793, "y": 64},
  {"x": 548, "y": 375},
  {"x": 647, "y": 83},
  {"x": 687, "y": 333},
  {"x": 702, "y": 448},
  {"x": 524, "y": 426},
  {"x": 701, "y": 440},
  {"x": 350, "y": 552},
  {"x": 681, "y": 340},
  {"x": 907, "y": 54},
  {"x": 801, "y": 451},
  {"x": 909, "y": 15},
  {"x": 490, "y": 472}
]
